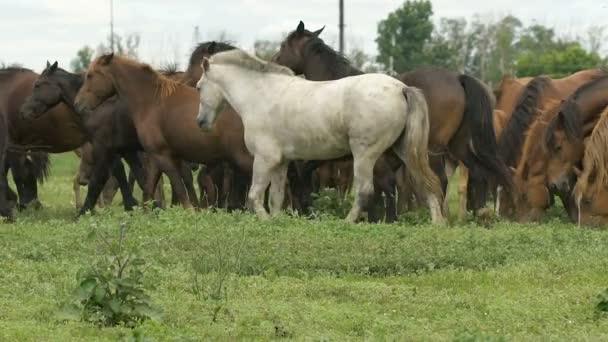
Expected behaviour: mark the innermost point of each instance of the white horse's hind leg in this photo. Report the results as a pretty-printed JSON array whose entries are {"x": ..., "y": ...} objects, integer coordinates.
[
  {"x": 363, "y": 185},
  {"x": 277, "y": 189},
  {"x": 262, "y": 171}
]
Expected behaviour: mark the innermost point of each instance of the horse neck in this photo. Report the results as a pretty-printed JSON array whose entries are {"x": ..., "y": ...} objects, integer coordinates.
[
  {"x": 134, "y": 85},
  {"x": 592, "y": 102},
  {"x": 70, "y": 87},
  {"x": 316, "y": 69},
  {"x": 240, "y": 86}
]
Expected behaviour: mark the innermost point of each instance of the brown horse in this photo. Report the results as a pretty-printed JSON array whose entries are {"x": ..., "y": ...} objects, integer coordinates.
[
  {"x": 538, "y": 96},
  {"x": 56, "y": 133},
  {"x": 575, "y": 120},
  {"x": 163, "y": 112},
  {"x": 220, "y": 183},
  {"x": 507, "y": 95},
  {"x": 591, "y": 190},
  {"x": 453, "y": 99}
]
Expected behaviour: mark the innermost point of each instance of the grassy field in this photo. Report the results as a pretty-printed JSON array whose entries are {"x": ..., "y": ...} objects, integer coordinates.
[{"x": 314, "y": 280}]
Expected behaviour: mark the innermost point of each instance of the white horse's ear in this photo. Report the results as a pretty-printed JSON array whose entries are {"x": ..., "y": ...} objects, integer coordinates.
[
  {"x": 318, "y": 32},
  {"x": 300, "y": 28},
  {"x": 513, "y": 170},
  {"x": 205, "y": 64}
]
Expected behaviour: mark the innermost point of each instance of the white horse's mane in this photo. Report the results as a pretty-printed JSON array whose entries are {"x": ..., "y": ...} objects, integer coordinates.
[{"x": 243, "y": 59}]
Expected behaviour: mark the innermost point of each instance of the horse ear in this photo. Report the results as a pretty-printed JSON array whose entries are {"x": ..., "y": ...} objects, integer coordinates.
[
  {"x": 300, "y": 28},
  {"x": 318, "y": 32},
  {"x": 577, "y": 171},
  {"x": 212, "y": 47},
  {"x": 53, "y": 67},
  {"x": 105, "y": 60},
  {"x": 205, "y": 64},
  {"x": 48, "y": 64}
]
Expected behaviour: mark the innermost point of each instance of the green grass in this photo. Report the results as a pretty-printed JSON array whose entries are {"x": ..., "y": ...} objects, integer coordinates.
[{"x": 319, "y": 280}]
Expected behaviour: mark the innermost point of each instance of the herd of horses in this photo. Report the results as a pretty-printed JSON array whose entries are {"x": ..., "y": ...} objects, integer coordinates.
[{"x": 305, "y": 121}]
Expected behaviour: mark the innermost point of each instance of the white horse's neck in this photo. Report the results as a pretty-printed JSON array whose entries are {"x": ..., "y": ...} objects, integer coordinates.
[{"x": 247, "y": 89}]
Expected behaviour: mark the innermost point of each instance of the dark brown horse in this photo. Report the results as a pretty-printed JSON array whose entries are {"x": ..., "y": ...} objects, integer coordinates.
[
  {"x": 163, "y": 112},
  {"x": 460, "y": 111},
  {"x": 54, "y": 134},
  {"x": 220, "y": 183},
  {"x": 107, "y": 131}
]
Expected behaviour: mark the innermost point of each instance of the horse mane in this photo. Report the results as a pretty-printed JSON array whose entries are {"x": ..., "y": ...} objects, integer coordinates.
[
  {"x": 169, "y": 69},
  {"x": 165, "y": 86},
  {"x": 337, "y": 64},
  {"x": 241, "y": 58},
  {"x": 202, "y": 49},
  {"x": 512, "y": 137},
  {"x": 570, "y": 116},
  {"x": 533, "y": 135},
  {"x": 596, "y": 155}
]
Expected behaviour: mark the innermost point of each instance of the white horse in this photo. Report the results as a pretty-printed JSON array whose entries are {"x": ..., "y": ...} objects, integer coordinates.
[{"x": 289, "y": 118}]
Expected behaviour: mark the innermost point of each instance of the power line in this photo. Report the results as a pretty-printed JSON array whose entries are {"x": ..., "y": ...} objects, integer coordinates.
[{"x": 341, "y": 26}]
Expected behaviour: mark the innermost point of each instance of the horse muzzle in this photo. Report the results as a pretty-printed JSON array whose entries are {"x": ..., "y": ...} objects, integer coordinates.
[{"x": 203, "y": 122}]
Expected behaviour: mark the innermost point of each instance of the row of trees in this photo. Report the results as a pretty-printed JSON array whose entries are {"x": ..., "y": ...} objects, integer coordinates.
[
  {"x": 408, "y": 38},
  {"x": 482, "y": 47}
]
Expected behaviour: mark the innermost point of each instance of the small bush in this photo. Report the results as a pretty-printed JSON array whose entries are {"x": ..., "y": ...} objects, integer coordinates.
[
  {"x": 112, "y": 292},
  {"x": 329, "y": 203}
]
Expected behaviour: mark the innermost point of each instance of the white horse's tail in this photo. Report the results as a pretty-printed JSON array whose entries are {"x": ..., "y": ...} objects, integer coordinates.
[{"x": 412, "y": 146}]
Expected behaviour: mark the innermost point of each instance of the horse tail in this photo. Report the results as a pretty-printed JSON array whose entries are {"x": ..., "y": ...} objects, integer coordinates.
[
  {"x": 40, "y": 164},
  {"x": 482, "y": 157},
  {"x": 412, "y": 147}
]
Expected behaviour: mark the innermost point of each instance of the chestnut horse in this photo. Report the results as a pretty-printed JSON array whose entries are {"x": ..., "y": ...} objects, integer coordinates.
[
  {"x": 163, "y": 112},
  {"x": 460, "y": 112},
  {"x": 538, "y": 96},
  {"x": 591, "y": 189},
  {"x": 575, "y": 120}
]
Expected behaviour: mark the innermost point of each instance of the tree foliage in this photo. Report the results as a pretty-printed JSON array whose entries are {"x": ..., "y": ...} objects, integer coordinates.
[
  {"x": 482, "y": 46},
  {"x": 403, "y": 35},
  {"x": 83, "y": 58}
]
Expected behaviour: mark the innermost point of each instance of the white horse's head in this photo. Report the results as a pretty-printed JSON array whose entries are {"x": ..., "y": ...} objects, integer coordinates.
[{"x": 211, "y": 97}]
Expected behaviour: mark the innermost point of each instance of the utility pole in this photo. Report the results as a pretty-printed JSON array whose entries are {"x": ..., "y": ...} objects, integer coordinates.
[
  {"x": 112, "y": 25},
  {"x": 341, "y": 26}
]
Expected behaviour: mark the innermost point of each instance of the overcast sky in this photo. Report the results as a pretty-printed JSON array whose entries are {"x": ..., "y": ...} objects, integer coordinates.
[{"x": 32, "y": 31}]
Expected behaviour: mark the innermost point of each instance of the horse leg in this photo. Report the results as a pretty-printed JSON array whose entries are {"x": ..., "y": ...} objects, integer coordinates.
[
  {"x": 186, "y": 171},
  {"x": 76, "y": 187},
  {"x": 262, "y": 171},
  {"x": 363, "y": 183},
  {"x": 462, "y": 191},
  {"x": 171, "y": 167},
  {"x": 118, "y": 171},
  {"x": 153, "y": 175},
  {"x": 277, "y": 188},
  {"x": 437, "y": 164},
  {"x": 99, "y": 176}
]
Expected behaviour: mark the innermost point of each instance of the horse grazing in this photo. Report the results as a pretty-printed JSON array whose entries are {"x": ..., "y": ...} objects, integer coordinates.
[
  {"x": 460, "y": 109},
  {"x": 163, "y": 112},
  {"x": 591, "y": 189},
  {"x": 539, "y": 95},
  {"x": 575, "y": 120},
  {"x": 363, "y": 115}
]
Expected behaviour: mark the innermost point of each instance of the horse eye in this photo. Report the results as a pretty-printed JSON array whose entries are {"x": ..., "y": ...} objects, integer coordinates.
[{"x": 89, "y": 76}]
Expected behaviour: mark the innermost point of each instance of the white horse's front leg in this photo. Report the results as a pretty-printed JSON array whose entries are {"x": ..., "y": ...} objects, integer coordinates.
[
  {"x": 277, "y": 189},
  {"x": 262, "y": 171},
  {"x": 363, "y": 184}
]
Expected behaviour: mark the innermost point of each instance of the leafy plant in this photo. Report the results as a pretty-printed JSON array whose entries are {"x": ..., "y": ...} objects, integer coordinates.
[
  {"x": 112, "y": 291},
  {"x": 328, "y": 202}
]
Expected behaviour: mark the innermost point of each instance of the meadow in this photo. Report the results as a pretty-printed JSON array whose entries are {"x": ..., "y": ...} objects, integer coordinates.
[{"x": 223, "y": 276}]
